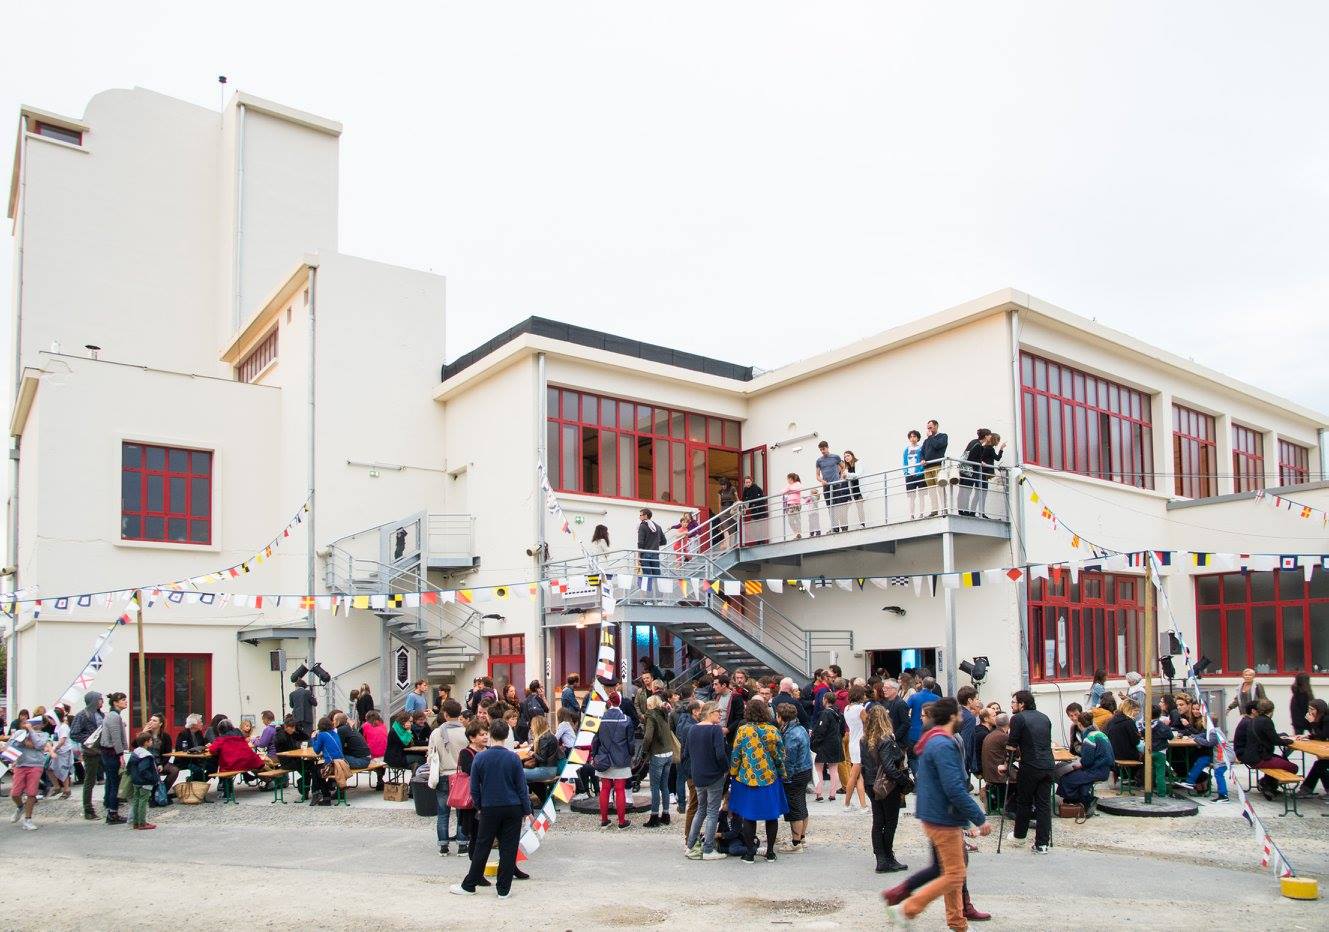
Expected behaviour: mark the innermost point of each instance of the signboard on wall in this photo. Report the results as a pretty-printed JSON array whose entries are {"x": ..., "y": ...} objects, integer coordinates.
[{"x": 401, "y": 666}]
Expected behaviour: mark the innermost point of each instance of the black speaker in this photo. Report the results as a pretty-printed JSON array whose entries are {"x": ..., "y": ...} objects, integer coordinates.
[
  {"x": 1168, "y": 644},
  {"x": 277, "y": 660}
]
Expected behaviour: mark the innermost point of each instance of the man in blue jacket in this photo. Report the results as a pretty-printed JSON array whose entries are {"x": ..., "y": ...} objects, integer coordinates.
[
  {"x": 945, "y": 809},
  {"x": 498, "y": 786},
  {"x": 927, "y": 692}
]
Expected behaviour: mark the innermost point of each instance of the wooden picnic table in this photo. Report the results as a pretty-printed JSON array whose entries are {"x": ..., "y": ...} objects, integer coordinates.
[
  {"x": 1062, "y": 755},
  {"x": 1318, "y": 749},
  {"x": 1182, "y": 743},
  {"x": 193, "y": 755},
  {"x": 418, "y": 749},
  {"x": 302, "y": 756}
]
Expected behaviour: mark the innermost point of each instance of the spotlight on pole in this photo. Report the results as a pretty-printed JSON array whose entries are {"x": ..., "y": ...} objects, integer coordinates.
[
  {"x": 978, "y": 670},
  {"x": 318, "y": 671},
  {"x": 299, "y": 673}
]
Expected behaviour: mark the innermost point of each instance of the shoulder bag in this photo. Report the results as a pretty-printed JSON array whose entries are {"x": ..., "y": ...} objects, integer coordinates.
[{"x": 459, "y": 791}]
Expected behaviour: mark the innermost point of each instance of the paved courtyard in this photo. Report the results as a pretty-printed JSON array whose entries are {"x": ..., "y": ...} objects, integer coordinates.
[{"x": 376, "y": 865}]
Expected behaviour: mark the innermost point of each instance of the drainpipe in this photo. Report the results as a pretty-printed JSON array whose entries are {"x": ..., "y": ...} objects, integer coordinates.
[
  {"x": 237, "y": 263},
  {"x": 312, "y": 266},
  {"x": 12, "y": 665},
  {"x": 541, "y": 452},
  {"x": 1015, "y": 504},
  {"x": 1323, "y": 435}
]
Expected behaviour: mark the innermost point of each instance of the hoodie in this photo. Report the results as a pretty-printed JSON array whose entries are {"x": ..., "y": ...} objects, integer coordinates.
[
  {"x": 942, "y": 784},
  {"x": 86, "y": 722}
]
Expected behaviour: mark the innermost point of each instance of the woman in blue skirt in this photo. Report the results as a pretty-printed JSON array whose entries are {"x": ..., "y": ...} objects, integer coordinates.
[{"x": 756, "y": 766}]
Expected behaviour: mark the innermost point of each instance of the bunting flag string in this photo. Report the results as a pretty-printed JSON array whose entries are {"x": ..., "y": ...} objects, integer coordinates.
[
  {"x": 1271, "y": 855},
  {"x": 1295, "y": 508},
  {"x": 9, "y": 601}
]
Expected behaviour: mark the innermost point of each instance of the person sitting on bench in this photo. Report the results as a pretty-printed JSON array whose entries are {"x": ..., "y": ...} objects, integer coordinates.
[
  {"x": 233, "y": 751},
  {"x": 353, "y": 744},
  {"x": 1317, "y": 729},
  {"x": 542, "y": 765},
  {"x": 1262, "y": 743},
  {"x": 1094, "y": 765}
]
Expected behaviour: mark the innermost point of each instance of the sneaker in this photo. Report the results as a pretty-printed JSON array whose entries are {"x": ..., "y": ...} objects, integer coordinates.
[
  {"x": 1221, "y": 798},
  {"x": 713, "y": 855},
  {"x": 18, "y": 815},
  {"x": 91, "y": 815},
  {"x": 462, "y": 848},
  {"x": 770, "y": 855},
  {"x": 1041, "y": 849},
  {"x": 460, "y": 890},
  {"x": 749, "y": 859},
  {"x": 443, "y": 850},
  {"x": 604, "y": 823},
  {"x": 1019, "y": 842},
  {"x": 28, "y": 826},
  {"x": 519, "y": 874},
  {"x": 624, "y": 824},
  {"x": 693, "y": 853},
  {"x": 115, "y": 818},
  {"x": 504, "y": 896},
  {"x": 895, "y": 917}
]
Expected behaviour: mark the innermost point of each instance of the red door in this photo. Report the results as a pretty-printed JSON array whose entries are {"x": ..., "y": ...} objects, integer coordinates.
[
  {"x": 755, "y": 520},
  {"x": 178, "y": 685}
]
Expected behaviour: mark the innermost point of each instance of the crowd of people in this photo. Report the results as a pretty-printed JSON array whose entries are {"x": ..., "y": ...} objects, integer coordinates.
[{"x": 734, "y": 756}]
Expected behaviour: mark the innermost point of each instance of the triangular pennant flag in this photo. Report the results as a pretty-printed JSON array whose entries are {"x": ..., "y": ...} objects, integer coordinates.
[
  {"x": 775, "y": 585},
  {"x": 844, "y": 584},
  {"x": 918, "y": 585},
  {"x": 860, "y": 580}
]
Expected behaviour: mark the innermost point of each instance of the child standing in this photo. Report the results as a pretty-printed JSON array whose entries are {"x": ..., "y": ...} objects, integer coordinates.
[{"x": 143, "y": 777}]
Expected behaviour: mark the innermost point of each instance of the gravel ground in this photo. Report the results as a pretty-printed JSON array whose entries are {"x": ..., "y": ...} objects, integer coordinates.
[{"x": 332, "y": 864}]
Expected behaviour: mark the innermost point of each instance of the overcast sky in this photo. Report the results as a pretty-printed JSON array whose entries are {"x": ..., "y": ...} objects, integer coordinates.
[{"x": 762, "y": 181}]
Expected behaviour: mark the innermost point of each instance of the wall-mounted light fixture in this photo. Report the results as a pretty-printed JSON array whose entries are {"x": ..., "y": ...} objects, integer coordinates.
[{"x": 784, "y": 443}]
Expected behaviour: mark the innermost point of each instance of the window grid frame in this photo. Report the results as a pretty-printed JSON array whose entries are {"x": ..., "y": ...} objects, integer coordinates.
[
  {"x": 1074, "y": 454},
  {"x": 1219, "y": 652},
  {"x": 1054, "y": 593},
  {"x": 1294, "y": 463},
  {"x": 1194, "y": 440},
  {"x": 1247, "y": 458},
  {"x": 167, "y": 513},
  {"x": 677, "y": 444}
]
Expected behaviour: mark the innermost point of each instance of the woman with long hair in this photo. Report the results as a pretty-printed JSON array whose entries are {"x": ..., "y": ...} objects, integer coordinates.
[
  {"x": 756, "y": 764},
  {"x": 1317, "y": 728},
  {"x": 364, "y": 704},
  {"x": 600, "y": 539},
  {"x": 1096, "y": 691},
  {"x": 882, "y": 754},
  {"x": 827, "y": 751},
  {"x": 854, "y": 714},
  {"x": 855, "y": 494},
  {"x": 1301, "y": 701}
]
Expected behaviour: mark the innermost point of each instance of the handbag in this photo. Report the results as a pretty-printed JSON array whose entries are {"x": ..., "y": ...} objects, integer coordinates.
[
  {"x": 126, "y": 787},
  {"x": 678, "y": 748},
  {"x": 433, "y": 771},
  {"x": 396, "y": 792},
  {"x": 93, "y": 742},
  {"x": 459, "y": 791}
]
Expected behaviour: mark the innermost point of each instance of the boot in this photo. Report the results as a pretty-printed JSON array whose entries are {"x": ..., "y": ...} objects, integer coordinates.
[
  {"x": 653, "y": 821},
  {"x": 895, "y": 895},
  {"x": 892, "y": 865},
  {"x": 971, "y": 912},
  {"x": 664, "y": 818}
]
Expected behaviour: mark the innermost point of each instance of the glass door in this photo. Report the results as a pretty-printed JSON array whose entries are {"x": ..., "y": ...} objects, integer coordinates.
[
  {"x": 755, "y": 523},
  {"x": 178, "y": 685}
]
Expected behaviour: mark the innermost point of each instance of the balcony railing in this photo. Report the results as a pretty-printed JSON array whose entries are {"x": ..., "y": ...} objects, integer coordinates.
[{"x": 875, "y": 500}]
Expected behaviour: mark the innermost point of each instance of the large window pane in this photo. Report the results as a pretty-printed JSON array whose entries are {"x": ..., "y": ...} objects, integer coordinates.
[
  {"x": 552, "y": 461},
  {"x": 131, "y": 491},
  {"x": 697, "y": 428},
  {"x": 1264, "y": 639},
  {"x": 1211, "y": 637},
  {"x": 731, "y": 434},
  {"x": 609, "y": 461},
  {"x": 645, "y": 468},
  {"x": 698, "y": 468},
  {"x": 608, "y": 414},
  {"x": 1294, "y": 638},
  {"x": 678, "y": 473},
  {"x": 1319, "y": 631},
  {"x": 643, "y": 418},
  {"x": 626, "y": 487},
  {"x": 569, "y": 457},
  {"x": 179, "y": 461},
  {"x": 156, "y": 458},
  {"x": 1236, "y": 641},
  {"x": 200, "y": 463},
  {"x": 1206, "y": 590},
  {"x": 200, "y": 498},
  {"x": 590, "y": 459},
  {"x": 569, "y": 405},
  {"x": 590, "y": 409},
  {"x": 661, "y": 470},
  {"x": 1234, "y": 588}
]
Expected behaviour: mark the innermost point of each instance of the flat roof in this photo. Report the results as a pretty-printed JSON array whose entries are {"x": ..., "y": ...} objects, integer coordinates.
[{"x": 596, "y": 339}]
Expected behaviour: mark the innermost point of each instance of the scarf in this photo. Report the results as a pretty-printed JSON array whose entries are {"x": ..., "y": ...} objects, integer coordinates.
[{"x": 404, "y": 735}]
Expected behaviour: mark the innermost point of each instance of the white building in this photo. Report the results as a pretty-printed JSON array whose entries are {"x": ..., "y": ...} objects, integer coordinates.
[{"x": 196, "y": 249}]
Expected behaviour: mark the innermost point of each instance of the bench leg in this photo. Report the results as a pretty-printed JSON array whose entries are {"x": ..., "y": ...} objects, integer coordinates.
[
  {"x": 228, "y": 791},
  {"x": 340, "y": 799},
  {"x": 278, "y": 791},
  {"x": 1290, "y": 795}
]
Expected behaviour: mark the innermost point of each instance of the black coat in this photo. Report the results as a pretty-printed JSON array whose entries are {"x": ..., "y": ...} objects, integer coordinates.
[
  {"x": 1125, "y": 737},
  {"x": 755, "y": 498},
  {"x": 825, "y": 737},
  {"x": 364, "y": 705},
  {"x": 1262, "y": 741},
  {"x": 934, "y": 448},
  {"x": 887, "y": 755}
]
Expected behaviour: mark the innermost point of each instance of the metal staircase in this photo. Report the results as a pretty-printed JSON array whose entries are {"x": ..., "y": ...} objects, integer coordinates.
[
  {"x": 733, "y": 630},
  {"x": 393, "y": 558}
]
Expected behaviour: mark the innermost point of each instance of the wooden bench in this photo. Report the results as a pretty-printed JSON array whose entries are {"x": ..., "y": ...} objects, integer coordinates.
[
  {"x": 278, "y": 787},
  {"x": 379, "y": 767},
  {"x": 1287, "y": 788},
  {"x": 226, "y": 783}
]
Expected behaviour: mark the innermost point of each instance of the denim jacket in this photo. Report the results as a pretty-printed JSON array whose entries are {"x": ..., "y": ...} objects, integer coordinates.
[{"x": 797, "y": 750}]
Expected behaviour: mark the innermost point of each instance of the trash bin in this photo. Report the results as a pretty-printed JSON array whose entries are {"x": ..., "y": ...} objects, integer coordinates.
[{"x": 426, "y": 800}]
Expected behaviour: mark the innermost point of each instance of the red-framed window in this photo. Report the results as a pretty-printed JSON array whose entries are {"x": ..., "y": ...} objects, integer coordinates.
[
  {"x": 1084, "y": 424},
  {"x": 1247, "y": 459},
  {"x": 1294, "y": 463},
  {"x": 178, "y": 685},
  {"x": 1272, "y": 622},
  {"x": 1078, "y": 627},
  {"x": 1194, "y": 453},
  {"x": 258, "y": 358},
  {"x": 165, "y": 494},
  {"x": 507, "y": 662},
  {"x": 625, "y": 449}
]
